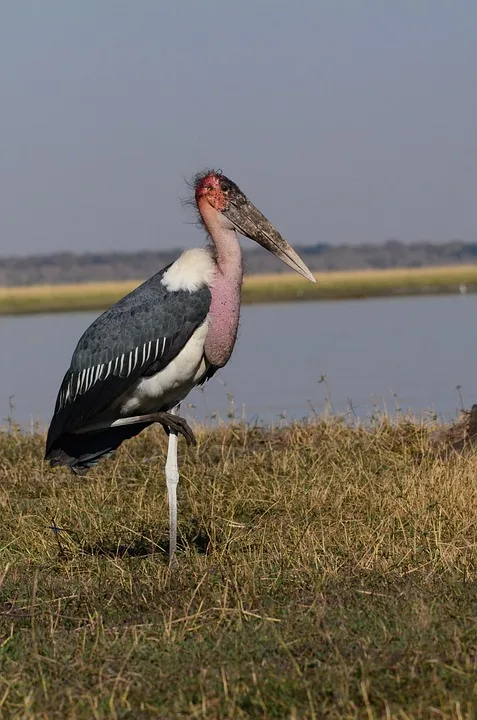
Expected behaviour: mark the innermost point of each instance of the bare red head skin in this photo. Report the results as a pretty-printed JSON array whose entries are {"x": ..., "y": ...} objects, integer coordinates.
[{"x": 214, "y": 191}]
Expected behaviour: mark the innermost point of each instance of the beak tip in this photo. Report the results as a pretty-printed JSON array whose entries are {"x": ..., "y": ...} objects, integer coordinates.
[{"x": 307, "y": 274}]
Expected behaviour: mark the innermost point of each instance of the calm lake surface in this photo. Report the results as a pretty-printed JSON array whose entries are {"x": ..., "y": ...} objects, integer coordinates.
[{"x": 406, "y": 352}]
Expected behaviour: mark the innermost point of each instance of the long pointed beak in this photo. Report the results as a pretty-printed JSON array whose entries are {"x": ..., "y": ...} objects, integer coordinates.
[{"x": 250, "y": 222}]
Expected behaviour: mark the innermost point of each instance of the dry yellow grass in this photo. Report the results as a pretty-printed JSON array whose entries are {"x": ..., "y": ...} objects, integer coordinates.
[
  {"x": 257, "y": 288},
  {"x": 362, "y": 283},
  {"x": 52, "y": 298},
  {"x": 325, "y": 572},
  {"x": 448, "y": 273}
]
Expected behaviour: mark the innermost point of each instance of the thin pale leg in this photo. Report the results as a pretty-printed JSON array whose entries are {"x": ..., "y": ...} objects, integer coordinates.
[{"x": 172, "y": 480}]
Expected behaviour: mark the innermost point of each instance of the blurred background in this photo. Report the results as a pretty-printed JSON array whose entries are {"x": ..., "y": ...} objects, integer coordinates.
[{"x": 348, "y": 124}]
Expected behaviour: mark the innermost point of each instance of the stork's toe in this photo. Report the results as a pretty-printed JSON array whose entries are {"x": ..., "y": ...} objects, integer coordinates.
[{"x": 180, "y": 425}]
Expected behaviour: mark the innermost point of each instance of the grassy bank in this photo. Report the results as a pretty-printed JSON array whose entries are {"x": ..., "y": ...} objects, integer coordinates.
[
  {"x": 326, "y": 572},
  {"x": 257, "y": 288}
]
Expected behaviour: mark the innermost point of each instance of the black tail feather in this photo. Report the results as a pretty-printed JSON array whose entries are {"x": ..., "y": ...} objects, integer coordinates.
[{"x": 82, "y": 451}]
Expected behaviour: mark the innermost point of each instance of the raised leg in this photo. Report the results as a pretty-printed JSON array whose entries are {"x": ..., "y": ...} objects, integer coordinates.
[
  {"x": 172, "y": 479},
  {"x": 173, "y": 424},
  {"x": 169, "y": 421}
]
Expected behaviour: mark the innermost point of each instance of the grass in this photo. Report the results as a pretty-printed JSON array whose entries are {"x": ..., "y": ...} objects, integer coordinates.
[
  {"x": 256, "y": 289},
  {"x": 326, "y": 571}
]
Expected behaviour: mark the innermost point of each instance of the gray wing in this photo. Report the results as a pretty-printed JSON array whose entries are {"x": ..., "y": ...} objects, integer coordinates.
[{"x": 137, "y": 337}]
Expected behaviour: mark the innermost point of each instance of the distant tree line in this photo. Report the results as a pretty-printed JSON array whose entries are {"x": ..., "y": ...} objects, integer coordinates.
[{"x": 72, "y": 268}]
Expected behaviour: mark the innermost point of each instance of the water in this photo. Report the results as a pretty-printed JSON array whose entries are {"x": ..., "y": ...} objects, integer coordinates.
[{"x": 406, "y": 352}]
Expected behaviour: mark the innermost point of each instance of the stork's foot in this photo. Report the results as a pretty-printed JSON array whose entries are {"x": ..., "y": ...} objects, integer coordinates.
[{"x": 175, "y": 422}]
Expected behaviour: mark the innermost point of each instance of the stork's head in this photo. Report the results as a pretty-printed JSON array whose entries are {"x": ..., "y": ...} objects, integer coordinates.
[{"x": 223, "y": 196}]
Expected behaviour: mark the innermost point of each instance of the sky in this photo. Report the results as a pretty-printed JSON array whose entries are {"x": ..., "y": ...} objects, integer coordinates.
[{"x": 344, "y": 121}]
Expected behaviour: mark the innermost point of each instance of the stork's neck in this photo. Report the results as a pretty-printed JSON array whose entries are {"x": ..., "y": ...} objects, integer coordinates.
[
  {"x": 227, "y": 246},
  {"x": 225, "y": 287}
]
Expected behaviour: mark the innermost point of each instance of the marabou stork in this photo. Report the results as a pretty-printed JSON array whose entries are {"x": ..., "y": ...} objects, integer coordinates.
[{"x": 137, "y": 361}]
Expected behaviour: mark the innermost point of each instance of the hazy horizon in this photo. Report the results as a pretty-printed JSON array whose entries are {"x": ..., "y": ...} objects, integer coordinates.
[
  {"x": 344, "y": 123},
  {"x": 250, "y": 247}
]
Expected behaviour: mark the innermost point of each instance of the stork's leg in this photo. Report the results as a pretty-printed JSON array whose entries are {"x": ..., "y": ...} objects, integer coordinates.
[
  {"x": 172, "y": 479},
  {"x": 172, "y": 421},
  {"x": 169, "y": 421}
]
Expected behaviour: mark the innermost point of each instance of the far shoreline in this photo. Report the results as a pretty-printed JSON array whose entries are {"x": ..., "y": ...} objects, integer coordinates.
[{"x": 257, "y": 289}]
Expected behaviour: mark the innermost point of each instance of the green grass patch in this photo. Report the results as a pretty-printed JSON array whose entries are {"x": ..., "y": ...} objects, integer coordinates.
[{"x": 324, "y": 572}]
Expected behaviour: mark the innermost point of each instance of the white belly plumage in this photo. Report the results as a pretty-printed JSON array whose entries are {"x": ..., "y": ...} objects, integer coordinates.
[{"x": 171, "y": 385}]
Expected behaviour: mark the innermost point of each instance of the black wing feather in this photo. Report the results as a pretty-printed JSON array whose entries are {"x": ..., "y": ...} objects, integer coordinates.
[{"x": 136, "y": 337}]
